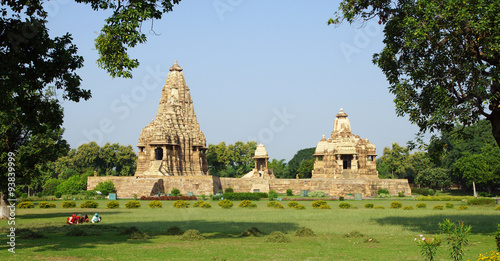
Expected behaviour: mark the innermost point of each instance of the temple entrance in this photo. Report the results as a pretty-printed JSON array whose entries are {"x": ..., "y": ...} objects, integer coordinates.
[
  {"x": 346, "y": 159},
  {"x": 158, "y": 153}
]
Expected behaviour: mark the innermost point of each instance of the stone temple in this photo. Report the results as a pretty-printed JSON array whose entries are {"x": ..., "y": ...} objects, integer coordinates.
[{"x": 172, "y": 154}]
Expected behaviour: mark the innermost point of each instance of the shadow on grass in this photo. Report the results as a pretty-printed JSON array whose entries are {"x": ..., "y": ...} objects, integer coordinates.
[{"x": 481, "y": 224}]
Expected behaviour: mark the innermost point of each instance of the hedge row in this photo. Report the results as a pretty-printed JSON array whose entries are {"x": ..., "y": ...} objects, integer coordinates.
[
  {"x": 169, "y": 198},
  {"x": 244, "y": 196}
]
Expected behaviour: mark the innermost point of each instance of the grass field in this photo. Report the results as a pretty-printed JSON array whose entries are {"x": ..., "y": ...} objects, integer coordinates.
[{"x": 389, "y": 233}]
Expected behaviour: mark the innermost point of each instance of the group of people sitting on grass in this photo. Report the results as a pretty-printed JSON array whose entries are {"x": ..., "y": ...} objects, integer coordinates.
[{"x": 77, "y": 219}]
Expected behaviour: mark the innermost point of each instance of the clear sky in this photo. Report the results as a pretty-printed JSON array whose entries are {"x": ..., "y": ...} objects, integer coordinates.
[{"x": 270, "y": 71}]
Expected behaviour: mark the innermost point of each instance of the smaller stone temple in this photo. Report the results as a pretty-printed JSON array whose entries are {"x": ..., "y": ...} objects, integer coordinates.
[
  {"x": 344, "y": 155},
  {"x": 261, "y": 169}
]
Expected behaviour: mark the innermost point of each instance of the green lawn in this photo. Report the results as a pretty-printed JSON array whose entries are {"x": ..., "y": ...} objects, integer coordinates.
[{"x": 393, "y": 229}]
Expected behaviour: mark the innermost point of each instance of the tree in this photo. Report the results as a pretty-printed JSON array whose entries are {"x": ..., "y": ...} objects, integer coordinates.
[
  {"x": 441, "y": 58},
  {"x": 436, "y": 178},
  {"x": 305, "y": 168},
  {"x": 394, "y": 159},
  {"x": 234, "y": 160},
  {"x": 294, "y": 163},
  {"x": 279, "y": 167}
]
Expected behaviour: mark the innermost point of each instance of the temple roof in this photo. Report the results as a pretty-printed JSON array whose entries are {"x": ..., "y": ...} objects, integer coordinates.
[
  {"x": 175, "y": 67},
  {"x": 261, "y": 152}
]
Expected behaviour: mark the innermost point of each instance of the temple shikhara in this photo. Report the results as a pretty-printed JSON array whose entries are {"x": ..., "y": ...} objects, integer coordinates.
[{"x": 172, "y": 154}]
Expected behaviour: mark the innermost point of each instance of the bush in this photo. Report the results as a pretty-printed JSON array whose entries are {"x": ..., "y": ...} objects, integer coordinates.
[
  {"x": 305, "y": 232},
  {"x": 484, "y": 194},
  {"x": 369, "y": 205},
  {"x": 432, "y": 192},
  {"x": 229, "y": 190},
  {"x": 44, "y": 204},
  {"x": 345, "y": 205},
  {"x": 58, "y": 194},
  {"x": 50, "y": 186},
  {"x": 174, "y": 231},
  {"x": 226, "y": 203},
  {"x": 247, "y": 204},
  {"x": 105, "y": 187},
  {"x": 341, "y": 198},
  {"x": 274, "y": 204},
  {"x": 325, "y": 207},
  {"x": 449, "y": 205},
  {"x": 133, "y": 204},
  {"x": 277, "y": 237},
  {"x": 396, "y": 204},
  {"x": 300, "y": 207},
  {"x": 90, "y": 193},
  {"x": 272, "y": 194},
  {"x": 24, "y": 195},
  {"x": 421, "y": 205},
  {"x": 26, "y": 204},
  {"x": 175, "y": 192},
  {"x": 242, "y": 196},
  {"x": 292, "y": 204},
  {"x": 407, "y": 208},
  {"x": 39, "y": 194},
  {"x": 155, "y": 204},
  {"x": 181, "y": 204},
  {"x": 289, "y": 192},
  {"x": 113, "y": 204},
  {"x": 68, "y": 204},
  {"x": 481, "y": 201},
  {"x": 438, "y": 207},
  {"x": 191, "y": 235},
  {"x": 316, "y": 194},
  {"x": 463, "y": 207},
  {"x": 382, "y": 191},
  {"x": 497, "y": 207},
  {"x": 318, "y": 203},
  {"x": 202, "y": 204},
  {"x": 89, "y": 204},
  {"x": 384, "y": 195},
  {"x": 493, "y": 256},
  {"x": 401, "y": 194},
  {"x": 379, "y": 207}
]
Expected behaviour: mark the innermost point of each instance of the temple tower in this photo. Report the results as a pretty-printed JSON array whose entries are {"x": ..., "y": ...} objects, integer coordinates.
[
  {"x": 261, "y": 169},
  {"x": 344, "y": 155},
  {"x": 173, "y": 144}
]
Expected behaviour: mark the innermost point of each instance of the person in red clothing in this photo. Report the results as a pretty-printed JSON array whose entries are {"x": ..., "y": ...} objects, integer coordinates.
[{"x": 70, "y": 220}]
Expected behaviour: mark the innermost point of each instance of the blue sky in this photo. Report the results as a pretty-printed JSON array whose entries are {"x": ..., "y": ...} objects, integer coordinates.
[{"x": 271, "y": 71}]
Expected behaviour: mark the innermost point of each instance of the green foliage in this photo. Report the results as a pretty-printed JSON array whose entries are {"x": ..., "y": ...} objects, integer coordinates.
[
  {"x": 202, "y": 204},
  {"x": 90, "y": 193},
  {"x": 497, "y": 207},
  {"x": 275, "y": 204},
  {"x": 325, "y": 207},
  {"x": 481, "y": 201},
  {"x": 58, "y": 194},
  {"x": 396, "y": 204},
  {"x": 421, "y": 205},
  {"x": 68, "y": 204},
  {"x": 456, "y": 237},
  {"x": 445, "y": 198},
  {"x": 73, "y": 185},
  {"x": 449, "y": 205},
  {"x": 50, "y": 186},
  {"x": 175, "y": 192},
  {"x": 105, "y": 187},
  {"x": 247, "y": 204},
  {"x": 226, "y": 203},
  {"x": 24, "y": 195},
  {"x": 305, "y": 232},
  {"x": 89, "y": 204},
  {"x": 382, "y": 191},
  {"x": 289, "y": 192},
  {"x": 379, "y": 207},
  {"x": 292, "y": 204},
  {"x": 26, "y": 204},
  {"x": 244, "y": 196},
  {"x": 174, "y": 231},
  {"x": 407, "y": 208},
  {"x": 299, "y": 207},
  {"x": 113, "y": 204},
  {"x": 251, "y": 232},
  {"x": 279, "y": 167},
  {"x": 436, "y": 178},
  {"x": 341, "y": 198},
  {"x": 302, "y": 164},
  {"x": 191, "y": 235},
  {"x": 438, "y": 207},
  {"x": 319, "y": 203},
  {"x": 277, "y": 237},
  {"x": 461, "y": 207},
  {"x": 401, "y": 194},
  {"x": 428, "y": 246},
  {"x": 345, "y": 205},
  {"x": 497, "y": 238},
  {"x": 316, "y": 194},
  {"x": 422, "y": 191},
  {"x": 181, "y": 204},
  {"x": 133, "y": 204},
  {"x": 45, "y": 204},
  {"x": 233, "y": 160},
  {"x": 368, "y": 205},
  {"x": 155, "y": 204},
  {"x": 272, "y": 194},
  {"x": 229, "y": 190}
]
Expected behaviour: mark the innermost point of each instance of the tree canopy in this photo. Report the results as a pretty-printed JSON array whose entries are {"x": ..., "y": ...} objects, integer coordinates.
[
  {"x": 233, "y": 160},
  {"x": 441, "y": 58}
]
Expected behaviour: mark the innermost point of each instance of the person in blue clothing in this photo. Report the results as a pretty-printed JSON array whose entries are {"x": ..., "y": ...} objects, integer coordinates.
[{"x": 96, "y": 218}]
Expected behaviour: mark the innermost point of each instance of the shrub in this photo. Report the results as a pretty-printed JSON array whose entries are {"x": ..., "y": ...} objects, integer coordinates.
[
  {"x": 174, "y": 231},
  {"x": 39, "y": 194},
  {"x": 305, "y": 232},
  {"x": 493, "y": 256},
  {"x": 481, "y": 201},
  {"x": 438, "y": 207},
  {"x": 26, "y": 204},
  {"x": 155, "y": 204},
  {"x": 192, "y": 235},
  {"x": 113, "y": 204},
  {"x": 202, "y": 204},
  {"x": 382, "y": 191},
  {"x": 68, "y": 204},
  {"x": 242, "y": 196},
  {"x": 24, "y": 195},
  {"x": 272, "y": 194},
  {"x": 175, "y": 192},
  {"x": 45, "y": 204},
  {"x": 401, "y": 194},
  {"x": 316, "y": 194},
  {"x": 58, "y": 194},
  {"x": 379, "y": 207},
  {"x": 289, "y": 192},
  {"x": 247, "y": 204},
  {"x": 341, "y": 198},
  {"x": 277, "y": 237},
  {"x": 105, "y": 187},
  {"x": 396, "y": 204},
  {"x": 89, "y": 204},
  {"x": 300, "y": 207},
  {"x": 369, "y": 205},
  {"x": 484, "y": 194},
  {"x": 463, "y": 207},
  {"x": 421, "y": 191},
  {"x": 432, "y": 192},
  {"x": 318, "y": 203},
  {"x": 384, "y": 195},
  {"x": 421, "y": 205},
  {"x": 345, "y": 205},
  {"x": 449, "y": 205},
  {"x": 274, "y": 204},
  {"x": 251, "y": 232},
  {"x": 181, "y": 204},
  {"x": 90, "y": 193},
  {"x": 50, "y": 186},
  {"x": 226, "y": 203},
  {"x": 407, "y": 208},
  {"x": 497, "y": 207},
  {"x": 229, "y": 190},
  {"x": 292, "y": 204},
  {"x": 325, "y": 207},
  {"x": 133, "y": 204}
]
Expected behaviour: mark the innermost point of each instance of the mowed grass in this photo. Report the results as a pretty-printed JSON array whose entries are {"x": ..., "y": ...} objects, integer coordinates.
[{"x": 392, "y": 232}]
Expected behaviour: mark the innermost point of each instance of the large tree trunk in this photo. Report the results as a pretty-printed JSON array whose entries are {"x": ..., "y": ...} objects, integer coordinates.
[{"x": 4, "y": 211}]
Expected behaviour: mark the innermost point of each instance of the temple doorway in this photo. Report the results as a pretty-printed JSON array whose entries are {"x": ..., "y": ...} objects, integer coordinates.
[
  {"x": 346, "y": 159},
  {"x": 158, "y": 153}
]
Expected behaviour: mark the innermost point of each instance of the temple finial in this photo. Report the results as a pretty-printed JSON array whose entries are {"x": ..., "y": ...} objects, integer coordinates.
[{"x": 175, "y": 67}]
